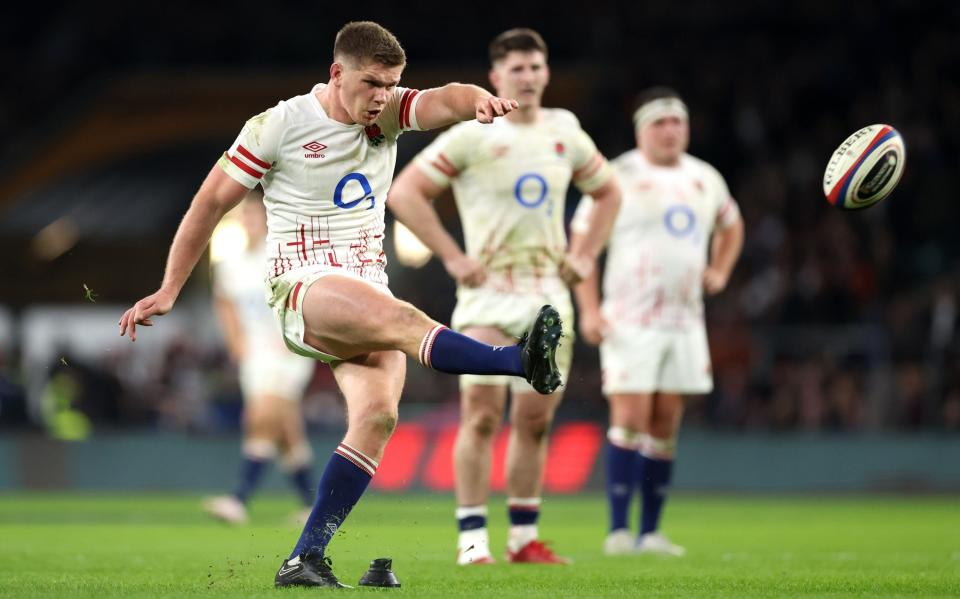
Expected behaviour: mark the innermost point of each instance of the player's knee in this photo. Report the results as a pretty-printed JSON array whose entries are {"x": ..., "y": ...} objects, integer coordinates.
[
  {"x": 381, "y": 421},
  {"x": 484, "y": 424},
  {"x": 663, "y": 428},
  {"x": 533, "y": 425}
]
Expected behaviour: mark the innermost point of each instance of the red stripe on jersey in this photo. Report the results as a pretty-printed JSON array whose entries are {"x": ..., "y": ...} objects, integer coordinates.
[
  {"x": 405, "y": 117},
  {"x": 447, "y": 163},
  {"x": 403, "y": 104},
  {"x": 244, "y": 167},
  {"x": 249, "y": 156},
  {"x": 437, "y": 164},
  {"x": 590, "y": 167}
]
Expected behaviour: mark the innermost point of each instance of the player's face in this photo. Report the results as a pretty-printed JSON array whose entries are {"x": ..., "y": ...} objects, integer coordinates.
[
  {"x": 522, "y": 76},
  {"x": 365, "y": 88},
  {"x": 665, "y": 139}
]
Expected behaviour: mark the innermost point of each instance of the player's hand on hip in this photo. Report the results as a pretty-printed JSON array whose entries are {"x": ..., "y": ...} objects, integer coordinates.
[
  {"x": 714, "y": 281},
  {"x": 492, "y": 107},
  {"x": 157, "y": 304},
  {"x": 593, "y": 327},
  {"x": 466, "y": 271},
  {"x": 576, "y": 267}
]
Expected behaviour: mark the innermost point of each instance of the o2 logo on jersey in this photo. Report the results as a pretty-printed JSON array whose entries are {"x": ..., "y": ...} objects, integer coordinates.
[
  {"x": 680, "y": 220},
  {"x": 365, "y": 189},
  {"x": 531, "y": 190}
]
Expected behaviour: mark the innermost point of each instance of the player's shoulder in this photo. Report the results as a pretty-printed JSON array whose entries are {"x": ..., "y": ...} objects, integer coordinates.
[
  {"x": 699, "y": 166},
  {"x": 629, "y": 162},
  {"x": 463, "y": 132},
  {"x": 561, "y": 117},
  {"x": 289, "y": 112}
]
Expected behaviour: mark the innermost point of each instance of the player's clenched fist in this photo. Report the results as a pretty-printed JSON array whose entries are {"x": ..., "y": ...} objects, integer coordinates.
[
  {"x": 157, "y": 304},
  {"x": 575, "y": 268},
  {"x": 466, "y": 271},
  {"x": 593, "y": 326},
  {"x": 492, "y": 107}
]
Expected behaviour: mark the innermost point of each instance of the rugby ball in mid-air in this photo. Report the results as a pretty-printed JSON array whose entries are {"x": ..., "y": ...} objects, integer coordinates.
[{"x": 865, "y": 168}]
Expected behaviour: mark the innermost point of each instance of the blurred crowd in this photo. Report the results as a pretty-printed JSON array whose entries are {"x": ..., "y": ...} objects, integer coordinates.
[{"x": 833, "y": 321}]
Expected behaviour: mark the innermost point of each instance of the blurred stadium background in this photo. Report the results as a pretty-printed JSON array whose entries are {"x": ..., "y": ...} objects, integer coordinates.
[{"x": 836, "y": 346}]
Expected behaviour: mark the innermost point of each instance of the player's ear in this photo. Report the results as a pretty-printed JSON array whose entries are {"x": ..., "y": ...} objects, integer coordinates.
[
  {"x": 494, "y": 78},
  {"x": 546, "y": 72},
  {"x": 336, "y": 73}
]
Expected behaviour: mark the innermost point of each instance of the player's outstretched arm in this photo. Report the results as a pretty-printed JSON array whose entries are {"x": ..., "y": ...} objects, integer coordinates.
[
  {"x": 410, "y": 201},
  {"x": 587, "y": 292},
  {"x": 455, "y": 102},
  {"x": 726, "y": 246},
  {"x": 581, "y": 260},
  {"x": 230, "y": 326},
  {"x": 217, "y": 195}
]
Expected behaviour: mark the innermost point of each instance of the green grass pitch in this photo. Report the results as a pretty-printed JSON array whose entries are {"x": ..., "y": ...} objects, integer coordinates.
[{"x": 102, "y": 546}]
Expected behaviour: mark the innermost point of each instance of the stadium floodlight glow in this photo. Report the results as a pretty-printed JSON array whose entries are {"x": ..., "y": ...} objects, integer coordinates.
[
  {"x": 410, "y": 250},
  {"x": 228, "y": 238},
  {"x": 55, "y": 239}
]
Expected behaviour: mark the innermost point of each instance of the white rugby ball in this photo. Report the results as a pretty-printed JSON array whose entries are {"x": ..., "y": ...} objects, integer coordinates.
[{"x": 865, "y": 168}]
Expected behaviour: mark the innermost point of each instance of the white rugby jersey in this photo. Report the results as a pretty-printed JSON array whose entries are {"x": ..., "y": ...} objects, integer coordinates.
[
  {"x": 510, "y": 183},
  {"x": 324, "y": 182},
  {"x": 659, "y": 246},
  {"x": 238, "y": 278}
]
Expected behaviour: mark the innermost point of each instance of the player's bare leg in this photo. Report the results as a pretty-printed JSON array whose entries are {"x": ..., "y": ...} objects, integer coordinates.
[
  {"x": 261, "y": 438},
  {"x": 656, "y": 469},
  {"x": 531, "y": 416},
  {"x": 296, "y": 455},
  {"x": 371, "y": 385},
  {"x": 345, "y": 317},
  {"x": 629, "y": 419},
  {"x": 481, "y": 416}
]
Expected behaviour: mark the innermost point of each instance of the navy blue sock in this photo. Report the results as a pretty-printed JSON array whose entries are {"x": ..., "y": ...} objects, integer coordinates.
[
  {"x": 523, "y": 513},
  {"x": 342, "y": 484},
  {"x": 301, "y": 480},
  {"x": 621, "y": 479},
  {"x": 251, "y": 471},
  {"x": 449, "y": 351},
  {"x": 471, "y": 518},
  {"x": 654, "y": 478}
]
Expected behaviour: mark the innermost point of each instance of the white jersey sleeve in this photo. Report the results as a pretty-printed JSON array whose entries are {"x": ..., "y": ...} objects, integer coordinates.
[
  {"x": 400, "y": 113},
  {"x": 449, "y": 154},
  {"x": 255, "y": 150},
  {"x": 591, "y": 169},
  {"x": 728, "y": 213}
]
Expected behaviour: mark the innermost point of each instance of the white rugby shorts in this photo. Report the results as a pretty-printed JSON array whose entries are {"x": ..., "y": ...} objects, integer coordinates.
[
  {"x": 274, "y": 373},
  {"x": 512, "y": 313},
  {"x": 645, "y": 360},
  {"x": 286, "y": 300}
]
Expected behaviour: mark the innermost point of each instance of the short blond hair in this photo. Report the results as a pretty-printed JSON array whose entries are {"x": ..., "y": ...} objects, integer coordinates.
[{"x": 363, "y": 41}]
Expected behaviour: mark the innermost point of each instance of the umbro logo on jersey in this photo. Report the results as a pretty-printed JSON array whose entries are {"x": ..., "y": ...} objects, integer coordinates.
[
  {"x": 314, "y": 148},
  {"x": 559, "y": 147}
]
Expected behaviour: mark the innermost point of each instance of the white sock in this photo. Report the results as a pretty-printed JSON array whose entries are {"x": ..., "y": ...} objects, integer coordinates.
[
  {"x": 520, "y": 535},
  {"x": 475, "y": 542}
]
